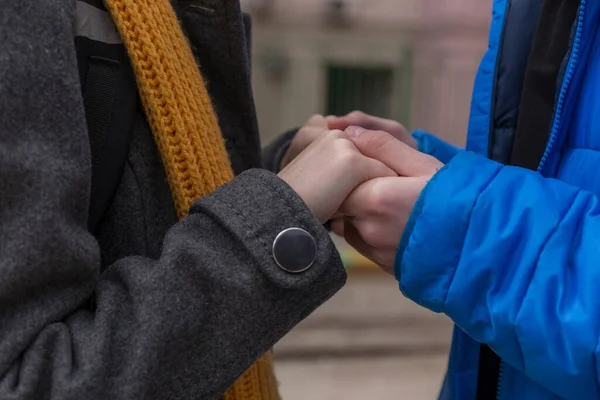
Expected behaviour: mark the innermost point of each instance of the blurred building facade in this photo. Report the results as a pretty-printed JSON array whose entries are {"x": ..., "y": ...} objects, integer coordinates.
[{"x": 411, "y": 60}]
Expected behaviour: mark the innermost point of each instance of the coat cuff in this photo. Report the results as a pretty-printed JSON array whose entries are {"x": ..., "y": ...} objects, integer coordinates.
[
  {"x": 435, "y": 147},
  {"x": 256, "y": 207},
  {"x": 432, "y": 243}
]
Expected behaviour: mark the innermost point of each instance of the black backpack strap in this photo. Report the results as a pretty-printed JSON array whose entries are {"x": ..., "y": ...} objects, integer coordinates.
[
  {"x": 99, "y": 96},
  {"x": 110, "y": 101}
]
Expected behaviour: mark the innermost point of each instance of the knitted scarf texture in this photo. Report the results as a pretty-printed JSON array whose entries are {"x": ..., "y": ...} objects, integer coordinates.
[{"x": 185, "y": 127}]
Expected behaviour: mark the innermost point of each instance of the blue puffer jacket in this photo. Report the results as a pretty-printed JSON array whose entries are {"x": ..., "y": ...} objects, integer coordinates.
[{"x": 512, "y": 256}]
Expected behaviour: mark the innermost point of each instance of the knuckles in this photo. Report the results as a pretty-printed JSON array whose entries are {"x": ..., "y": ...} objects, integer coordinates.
[
  {"x": 337, "y": 134},
  {"x": 378, "y": 237},
  {"x": 371, "y": 233},
  {"x": 347, "y": 158},
  {"x": 378, "y": 201}
]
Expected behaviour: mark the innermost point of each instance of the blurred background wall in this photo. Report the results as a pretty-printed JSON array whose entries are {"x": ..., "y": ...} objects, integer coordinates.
[{"x": 410, "y": 60}]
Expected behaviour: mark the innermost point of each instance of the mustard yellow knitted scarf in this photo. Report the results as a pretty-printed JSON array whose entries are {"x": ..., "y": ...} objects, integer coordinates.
[{"x": 185, "y": 127}]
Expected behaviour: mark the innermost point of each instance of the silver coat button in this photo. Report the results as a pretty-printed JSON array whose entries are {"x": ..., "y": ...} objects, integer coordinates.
[{"x": 294, "y": 250}]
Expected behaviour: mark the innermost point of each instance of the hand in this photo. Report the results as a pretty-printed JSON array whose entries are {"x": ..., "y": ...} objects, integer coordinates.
[
  {"x": 366, "y": 121},
  {"x": 328, "y": 170},
  {"x": 312, "y": 129},
  {"x": 376, "y": 212}
]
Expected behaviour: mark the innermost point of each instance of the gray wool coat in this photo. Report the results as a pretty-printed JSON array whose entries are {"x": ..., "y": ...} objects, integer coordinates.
[{"x": 149, "y": 308}]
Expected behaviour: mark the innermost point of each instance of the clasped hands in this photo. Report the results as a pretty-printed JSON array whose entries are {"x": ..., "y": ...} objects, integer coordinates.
[{"x": 363, "y": 173}]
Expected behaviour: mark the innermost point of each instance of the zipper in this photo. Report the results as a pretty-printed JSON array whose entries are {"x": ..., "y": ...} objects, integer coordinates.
[
  {"x": 572, "y": 64},
  {"x": 568, "y": 78},
  {"x": 496, "y": 72},
  {"x": 500, "y": 373}
]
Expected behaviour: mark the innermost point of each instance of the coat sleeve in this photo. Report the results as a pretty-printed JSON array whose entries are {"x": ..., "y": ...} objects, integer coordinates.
[
  {"x": 512, "y": 258},
  {"x": 434, "y": 146},
  {"x": 273, "y": 153},
  {"x": 183, "y": 326}
]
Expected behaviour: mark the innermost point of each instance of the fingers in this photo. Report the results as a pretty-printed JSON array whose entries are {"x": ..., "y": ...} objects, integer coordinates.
[
  {"x": 314, "y": 128},
  {"x": 362, "y": 200},
  {"x": 337, "y": 226},
  {"x": 367, "y": 168},
  {"x": 384, "y": 259},
  {"x": 371, "y": 208},
  {"x": 366, "y": 210},
  {"x": 354, "y": 239},
  {"x": 370, "y": 168},
  {"x": 358, "y": 118},
  {"x": 317, "y": 121},
  {"x": 400, "y": 157}
]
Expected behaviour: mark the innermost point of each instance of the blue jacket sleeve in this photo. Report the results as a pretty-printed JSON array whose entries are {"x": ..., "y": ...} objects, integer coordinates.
[
  {"x": 434, "y": 146},
  {"x": 513, "y": 258}
]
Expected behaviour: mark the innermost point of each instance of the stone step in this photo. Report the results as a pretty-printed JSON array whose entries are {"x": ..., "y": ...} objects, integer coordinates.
[
  {"x": 367, "y": 341},
  {"x": 369, "y": 317}
]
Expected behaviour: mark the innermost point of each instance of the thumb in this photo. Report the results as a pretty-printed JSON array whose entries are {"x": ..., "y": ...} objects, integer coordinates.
[{"x": 398, "y": 156}]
